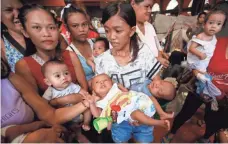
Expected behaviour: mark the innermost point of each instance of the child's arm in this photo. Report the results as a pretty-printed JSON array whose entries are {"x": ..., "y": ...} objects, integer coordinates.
[
  {"x": 146, "y": 120},
  {"x": 14, "y": 131},
  {"x": 162, "y": 114},
  {"x": 96, "y": 112},
  {"x": 68, "y": 99},
  {"x": 193, "y": 50}
]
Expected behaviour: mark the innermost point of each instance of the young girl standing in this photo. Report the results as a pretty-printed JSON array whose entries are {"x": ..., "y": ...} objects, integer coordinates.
[{"x": 193, "y": 102}]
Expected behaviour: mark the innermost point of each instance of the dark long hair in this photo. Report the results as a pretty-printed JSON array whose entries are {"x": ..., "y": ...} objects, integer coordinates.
[
  {"x": 22, "y": 17},
  {"x": 71, "y": 9},
  {"x": 127, "y": 13}
]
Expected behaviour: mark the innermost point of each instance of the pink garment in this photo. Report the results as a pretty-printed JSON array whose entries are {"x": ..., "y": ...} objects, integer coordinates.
[{"x": 14, "y": 110}]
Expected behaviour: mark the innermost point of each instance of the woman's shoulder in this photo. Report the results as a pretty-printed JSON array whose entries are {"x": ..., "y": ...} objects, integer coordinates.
[{"x": 144, "y": 49}]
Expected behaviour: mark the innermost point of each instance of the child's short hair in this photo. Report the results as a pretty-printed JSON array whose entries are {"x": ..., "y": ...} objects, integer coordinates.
[
  {"x": 51, "y": 61},
  {"x": 104, "y": 40},
  {"x": 216, "y": 12}
]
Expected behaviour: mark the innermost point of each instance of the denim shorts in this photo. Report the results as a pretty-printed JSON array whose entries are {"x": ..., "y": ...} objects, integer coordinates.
[{"x": 124, "y": 131}]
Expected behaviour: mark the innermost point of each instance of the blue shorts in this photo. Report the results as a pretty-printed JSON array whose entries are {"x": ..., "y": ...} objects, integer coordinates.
[
  {"x": 124, "y": 131},
  {"x": 142, "y": 87}
]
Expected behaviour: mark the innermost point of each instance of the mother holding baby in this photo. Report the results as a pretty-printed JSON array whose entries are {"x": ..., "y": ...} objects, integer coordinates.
[{"x": 128, "y": 62}]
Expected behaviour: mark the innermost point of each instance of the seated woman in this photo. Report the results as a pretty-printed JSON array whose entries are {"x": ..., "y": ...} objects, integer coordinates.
[
  {"x": 44, "y": 34},
  {"x": 17, "y": 118},
  {"x": 13, "y": 43},
  {"x": 77, "y": 24}
]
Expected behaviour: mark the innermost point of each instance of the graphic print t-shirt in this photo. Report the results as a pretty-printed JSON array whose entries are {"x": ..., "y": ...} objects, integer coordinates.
[{"x": 145, "y": 65}]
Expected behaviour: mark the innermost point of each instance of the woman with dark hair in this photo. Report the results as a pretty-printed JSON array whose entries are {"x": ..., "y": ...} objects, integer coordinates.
[
  {"x": 146, "y": 31},
  {"x": 43, "y": 32},
  {"x": 198, "y": 28},
  {"x": 13, "y": 43},
  {"x": 77, "y": 24},
  {"x": 18, "y": 100},
  {"x": 128, "y": 63}
]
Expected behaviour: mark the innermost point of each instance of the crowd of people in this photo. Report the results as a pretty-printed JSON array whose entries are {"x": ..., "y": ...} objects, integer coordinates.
[{"x": 52, "y": 89}]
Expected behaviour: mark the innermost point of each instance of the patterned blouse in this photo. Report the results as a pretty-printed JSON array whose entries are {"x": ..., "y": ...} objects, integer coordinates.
[{"x": 12, "y": 54}]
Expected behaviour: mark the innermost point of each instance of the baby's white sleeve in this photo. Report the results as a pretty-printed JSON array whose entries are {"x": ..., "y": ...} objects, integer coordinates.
[
  {"x": 48, "y": 94},
  {"x": 75, "y": 88}
]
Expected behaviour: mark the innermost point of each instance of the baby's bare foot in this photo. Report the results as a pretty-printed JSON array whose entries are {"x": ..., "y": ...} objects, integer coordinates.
[
  {"x": 85, "y": 127},
  {"x": 166, "y": 115}
]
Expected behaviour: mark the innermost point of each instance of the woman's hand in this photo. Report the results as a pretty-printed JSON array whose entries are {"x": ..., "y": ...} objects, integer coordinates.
[
  {"x": 165, "y": 55},
  {"x": 47, "y": 135},
  {"x": 163, "y": 61},
  {"x": 166, "y": 124}
]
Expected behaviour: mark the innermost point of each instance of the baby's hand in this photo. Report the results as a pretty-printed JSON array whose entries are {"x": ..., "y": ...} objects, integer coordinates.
[
  {"x": 203, "y": 56},
  {"x": 83, "y": 92},
  {"x": 165, "y": 115},
  {"x": 85, "y": 127},
  {"x": 166, "y": 124},
  {"x": 89, "y": 98}
]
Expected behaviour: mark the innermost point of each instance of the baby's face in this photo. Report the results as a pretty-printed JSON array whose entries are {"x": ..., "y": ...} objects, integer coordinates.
[
  {"x": 214, "y": 24},
  {"x": 101, "y": 84},
  {"x": 98, "y": 48},
  {"x": 161, "y": 89},
  {"x": 58, "y": 76}
]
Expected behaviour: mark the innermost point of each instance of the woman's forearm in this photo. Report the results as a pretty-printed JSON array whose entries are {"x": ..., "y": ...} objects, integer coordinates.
[
  {"x": 41, "y": 107},
  {"x": 63, "y": 115},
  {"x": 69, "y": 99},
  {"x": 14, "y": 131}
]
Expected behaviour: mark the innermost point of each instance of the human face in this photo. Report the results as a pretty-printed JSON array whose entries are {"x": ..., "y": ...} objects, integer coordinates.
[
  {"x": 143, "y": 10},
  {"x": 41, "y": 29},
  {"x": 118, "y": 33},
  {"x": 58, "y": 76},
  {"x": 201, "y": 18},
  {"x": 98, "y": 48},
  {"x": 160, "y": 88},
  {"x": 78, "y": 26},
  {"x": 214, "y": 24},
  {"x": 101, "y": 85},
  {"x": 10, "y": 13}
]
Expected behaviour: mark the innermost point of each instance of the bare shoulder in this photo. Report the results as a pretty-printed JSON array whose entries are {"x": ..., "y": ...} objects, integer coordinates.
[
  {"x": 73, "y": 55},
  {"x": 21, "y": 65},
  {"x": 200, "y": 36}
]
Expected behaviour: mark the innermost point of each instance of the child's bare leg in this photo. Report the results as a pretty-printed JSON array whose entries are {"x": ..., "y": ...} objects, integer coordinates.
[
  {"x": 162, "y": 114},
  {"x": 86, "y": 121},
  {"x": 144, "y": 119},
  {"x": 195, "y": 72}
]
